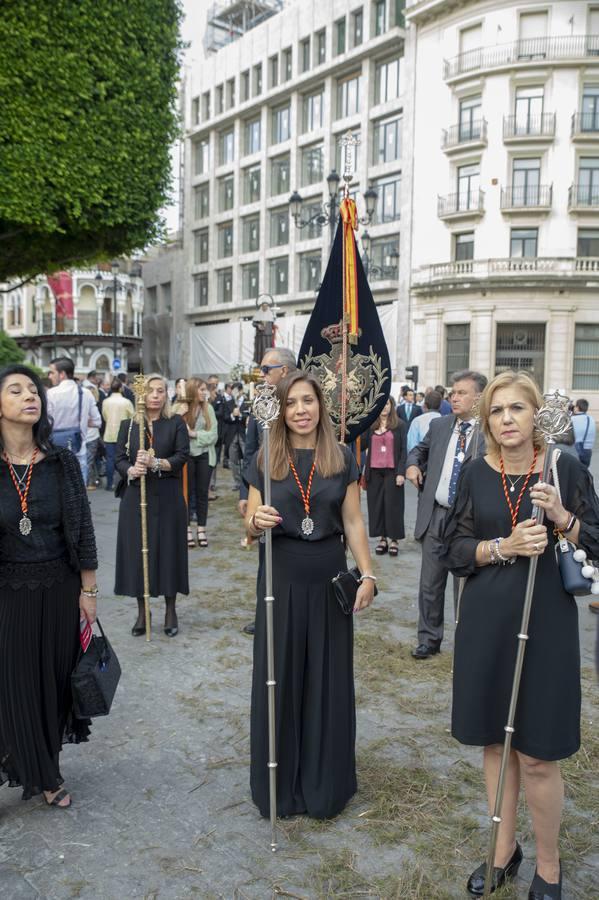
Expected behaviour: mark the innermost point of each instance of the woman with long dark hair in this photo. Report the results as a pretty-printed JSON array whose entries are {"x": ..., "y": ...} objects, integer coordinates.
[
  {"x": 315, "y": 503},
  {"x": 202, "y": 429},
  {"x": 166, "y": 452},
  {"x": 47, "y": 584},
  {"x": 384, "y": 473}
]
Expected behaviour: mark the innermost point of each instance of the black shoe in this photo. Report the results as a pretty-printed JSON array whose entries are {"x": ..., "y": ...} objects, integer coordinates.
[
  {"x": 171, "y": 630},
  {"x": 545, "y": 890},
  {"x": 424, "y": 651},
  {"x": 140, "y": 626},
  {"x": 250, "y": 628},
  {"x": 476, "y": 882}
]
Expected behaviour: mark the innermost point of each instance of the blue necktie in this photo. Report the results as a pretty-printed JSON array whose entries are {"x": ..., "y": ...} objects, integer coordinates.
[
  {"x": 408, "y": 410},
  {"x": 460, "y": 452}
]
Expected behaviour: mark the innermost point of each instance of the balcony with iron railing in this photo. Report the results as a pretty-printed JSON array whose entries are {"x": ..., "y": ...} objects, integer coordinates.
[
  {"x": 468, "y": 272},
  {"x": 524, "y": 198},
  {"x": 465, "y": 204},
  {"x": 585, "y": 126},
  {"x": 468, "y": 136},
  {"x": 583, "y": 198},
  {"x": 557, "y": 50},
  {"x": 87, "y": 324},
  {"x": 535, "y": 128}
]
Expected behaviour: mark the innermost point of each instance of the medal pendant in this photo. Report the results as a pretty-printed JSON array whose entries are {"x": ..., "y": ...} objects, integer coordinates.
[
  {"x": 25, "y": 525},
  {"x": 307, "y": 525},
  {"x": 461, "y": 456},
  {"x": 512, "y": 489}
]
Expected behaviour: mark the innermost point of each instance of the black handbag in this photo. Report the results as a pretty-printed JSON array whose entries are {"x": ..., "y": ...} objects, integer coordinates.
[
  {"x": 95, "y": 679},
  {"x": 570, "y": 569},
  {"x": 345, "y": 588}
]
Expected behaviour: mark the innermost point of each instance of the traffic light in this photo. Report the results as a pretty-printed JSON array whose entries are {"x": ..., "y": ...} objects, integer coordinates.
[{"x": 412, "y": 375}]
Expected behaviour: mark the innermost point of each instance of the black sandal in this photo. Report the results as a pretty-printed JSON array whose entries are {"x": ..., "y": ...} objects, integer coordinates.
[
  {"x": 381, "y": 548},
  {"x": 393, "y": 548},
  {"x": 60, "y": 795}
]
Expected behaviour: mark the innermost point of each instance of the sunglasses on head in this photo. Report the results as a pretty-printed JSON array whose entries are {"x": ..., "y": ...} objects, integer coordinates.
[{"x": 266, "y": 369}]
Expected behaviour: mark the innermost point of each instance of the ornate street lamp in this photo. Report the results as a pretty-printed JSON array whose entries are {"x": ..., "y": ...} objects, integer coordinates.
[{"x": 115, "y": 267}]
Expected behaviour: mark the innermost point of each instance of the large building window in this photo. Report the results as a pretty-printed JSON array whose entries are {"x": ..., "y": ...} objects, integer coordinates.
[
  {"x": 201, "y": 201},
  {"x": 287, "y": 64},
  {"x": 226, "y": 193},
  {"x": 252, "y": 136},
  {"x": 250, "y": 276},
  {"x": 468, "y": 186},
  {"x": 219, "y": 99},
  {"x": 387, "y": 140},
  {"x": 463, "y": 246},
  {"x": 224, "y": 285},
  {"x": 529, "y": 110},
  {"x": 523, "y": 242},
  {"x": 470, "y": 118},
  {"x": 279, "y": 227},
  {"x": 588, "y": 181},
  {"x": 281, "y": 124},
  {"x": 521, "y": 346},
  {"x": 348, "y": 96},
  {"x": 227, "y": 146},
  {"x": 590, "y": 108},
  {"x": 200, "y": 246},
  {"x": 257, "y": 77},
  {"x": 339, "y": 45},
  {"x": 380, "y": 17},
  {"x": 310, "y": 210},
  {"x": 151, "y": 302},
  {"x": 251, "y": 234},
  {"x": 310, "y": 265},
  {"x": 200, "y": 290},
  {"x": 230, "y": 93},
  {"x": 321, "y": 47},
  {"x": 585, "y": 376},
  {"x": 206, "y": 106},
  {"x": 457, "y": 349},
  {"x": 312, "y": 108},
  {"x": 245, "y": 85},
  {"x": 252, "y": 178},
  {"x": 388, "y": 207},
  {"x": 278, "y": 271},
  {"x": 357, "y": 27},
  {"x": 312, "y": 164},
  {"x": 225, "y": 240},
  {"x": 273, "y": 68},
  {"x": 383, "y": 258},
  {"x": 526, "y": 181},
  {"x": 588, "y": 242},
  {"x": 304, "y": 55},
  {"x": 201, "y": 157},
  {"x": 387, "y": 80},
  {"x": 279, "y": 175}
]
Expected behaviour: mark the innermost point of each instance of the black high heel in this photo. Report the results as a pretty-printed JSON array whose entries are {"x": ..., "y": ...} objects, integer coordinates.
[
  {"x": 140, "y": 625},
  {"x": 476, "y": 882},
  {"x": 545, "y": 890},
  {"x": 171, "y": 614}
]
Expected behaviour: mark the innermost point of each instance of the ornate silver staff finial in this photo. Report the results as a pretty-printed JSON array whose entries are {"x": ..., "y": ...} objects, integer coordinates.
[
  {"x": 553, "y": 419},
  {"x": 266, "y": 405},
  {"x": 348, "y": 142}
]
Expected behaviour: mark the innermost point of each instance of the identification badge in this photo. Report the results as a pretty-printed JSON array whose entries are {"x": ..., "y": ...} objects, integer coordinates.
[{"x": 383, "y": 449}]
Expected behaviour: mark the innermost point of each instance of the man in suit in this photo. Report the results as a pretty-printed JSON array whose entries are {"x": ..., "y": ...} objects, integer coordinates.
[
  {"x": 433, "y": 467},
  {"x": 409, "y": 409}
]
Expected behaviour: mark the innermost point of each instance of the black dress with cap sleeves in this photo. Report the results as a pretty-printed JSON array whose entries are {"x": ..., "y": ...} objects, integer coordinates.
[
  {"x": 315, "y": 703},
  {"x": 547, "y": 724}
]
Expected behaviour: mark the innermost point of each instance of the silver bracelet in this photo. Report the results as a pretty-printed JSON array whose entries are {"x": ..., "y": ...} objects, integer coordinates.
[
  {"x": 156, "y": 466},
  {"x": 368, "y": 577},
  {"x": 504, "y": 560}
]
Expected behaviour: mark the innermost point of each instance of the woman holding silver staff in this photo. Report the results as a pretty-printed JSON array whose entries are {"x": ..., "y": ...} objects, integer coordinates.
[
  {"x": 315, "y": 502},
  {"x": 167, "y": 450},
  {"x": 490, "y": 537}
]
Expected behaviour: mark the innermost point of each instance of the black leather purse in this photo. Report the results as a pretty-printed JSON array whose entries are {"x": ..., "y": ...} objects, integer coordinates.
[
  {"x": 570, "y": 569},
  {"x": 345, "y": 588},
  {"x": 95, "y": 679}
]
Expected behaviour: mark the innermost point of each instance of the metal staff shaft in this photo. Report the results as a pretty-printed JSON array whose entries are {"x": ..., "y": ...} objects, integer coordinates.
[
  {"x": 270, "y": 649},
  {"x": 539, "y": 515},
  {"x": 140, "y": 397}
]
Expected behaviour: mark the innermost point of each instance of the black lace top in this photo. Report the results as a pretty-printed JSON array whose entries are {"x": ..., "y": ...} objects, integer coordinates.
[{"x": 46, "y": 540}]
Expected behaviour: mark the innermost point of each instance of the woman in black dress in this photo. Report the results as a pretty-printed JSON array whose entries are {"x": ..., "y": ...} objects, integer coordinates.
[
  {"x": 167, "y": 451},
  {"x": 489, "y": 539},
  {"x": 315, "y": 501},
  {"x": 384, "y": 474},
  {"x": 47, "y": 584}
]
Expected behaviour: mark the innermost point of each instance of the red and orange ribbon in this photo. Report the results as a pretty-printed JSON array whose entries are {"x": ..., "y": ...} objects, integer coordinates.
[{"x": 349, "y": 217}]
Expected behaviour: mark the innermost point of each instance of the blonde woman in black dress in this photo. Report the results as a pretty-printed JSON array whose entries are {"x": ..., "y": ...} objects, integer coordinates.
[
  {"x": 315, "y": 481},
  {"x": 490, "y": 537}
]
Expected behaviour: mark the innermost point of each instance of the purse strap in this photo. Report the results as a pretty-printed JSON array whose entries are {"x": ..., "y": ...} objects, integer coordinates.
[{"x": 556, "y": 455}]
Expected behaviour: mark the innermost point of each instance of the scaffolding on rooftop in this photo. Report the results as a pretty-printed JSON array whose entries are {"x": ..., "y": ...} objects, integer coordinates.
[{"x": 229, "y": 20}]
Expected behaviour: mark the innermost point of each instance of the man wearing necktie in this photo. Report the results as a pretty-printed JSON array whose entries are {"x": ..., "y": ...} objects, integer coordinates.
[
  {"x": 408, "y": 410},
  {"x": 434, "y": 466}
]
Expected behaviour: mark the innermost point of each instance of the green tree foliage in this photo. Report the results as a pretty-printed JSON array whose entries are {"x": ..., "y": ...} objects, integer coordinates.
[
  {"x": 10, "y": 352},
  {"x": 88, "y": 114}
]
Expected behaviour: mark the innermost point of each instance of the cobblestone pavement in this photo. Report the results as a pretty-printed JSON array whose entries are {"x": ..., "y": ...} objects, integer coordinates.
[{"x": 161, "y": 797}]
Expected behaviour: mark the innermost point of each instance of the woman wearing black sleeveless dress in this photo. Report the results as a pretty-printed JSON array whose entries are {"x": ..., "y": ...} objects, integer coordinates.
[
  {"x": 47, "y": 584},
  {"x": 315, "y": 501},
  {"x": 489, "y": 539}
]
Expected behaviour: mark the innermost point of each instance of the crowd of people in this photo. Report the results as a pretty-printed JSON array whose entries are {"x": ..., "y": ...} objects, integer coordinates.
[{"x": 476, "y": 461}]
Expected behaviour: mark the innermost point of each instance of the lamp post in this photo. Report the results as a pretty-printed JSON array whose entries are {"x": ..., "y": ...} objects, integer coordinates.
[
  {"x": 390, "y": 270},
  {"x": 115, "y": 266},
  {"x": 329, "y": 212}
]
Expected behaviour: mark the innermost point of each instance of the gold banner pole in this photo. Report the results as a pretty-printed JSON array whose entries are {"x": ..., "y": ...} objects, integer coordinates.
[{"x": 139, "y": 389}]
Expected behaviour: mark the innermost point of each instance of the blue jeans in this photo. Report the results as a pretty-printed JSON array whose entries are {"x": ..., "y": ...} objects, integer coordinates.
[{"x": 110, "y": 455}]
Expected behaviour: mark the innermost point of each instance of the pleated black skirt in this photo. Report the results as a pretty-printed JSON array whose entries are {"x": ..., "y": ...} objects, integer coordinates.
[
  {"x": 315, "y": 703},
  {"x": 39, "y": 645},
  {"x": 385, "y": 505}
]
